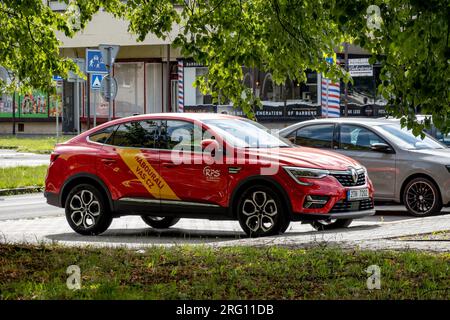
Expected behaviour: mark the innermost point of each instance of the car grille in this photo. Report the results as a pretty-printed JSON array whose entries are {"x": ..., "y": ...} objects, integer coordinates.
[
  {"x": 346, "y": 206},
  {"x": 347, "y": 181}
]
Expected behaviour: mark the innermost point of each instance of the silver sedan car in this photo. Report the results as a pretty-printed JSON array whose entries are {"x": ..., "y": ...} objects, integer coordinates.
[{"x": 403, "y": 168}]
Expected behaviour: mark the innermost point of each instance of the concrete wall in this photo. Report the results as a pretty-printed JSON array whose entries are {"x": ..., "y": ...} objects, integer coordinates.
[
  {"x": 45, "y": 128},
  {"x": 126, "y": 52},
  {"x": 104, "y": 28}
]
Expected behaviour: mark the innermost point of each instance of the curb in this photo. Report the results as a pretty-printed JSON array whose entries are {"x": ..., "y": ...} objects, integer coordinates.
[{"x": 23, "y": 190}]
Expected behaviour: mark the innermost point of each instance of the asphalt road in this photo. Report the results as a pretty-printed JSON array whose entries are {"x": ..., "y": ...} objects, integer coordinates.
[
  {"x": 26, "y": 206},
  {"x": 28, "y": 219},
  {"x": 34, "y": 206}
]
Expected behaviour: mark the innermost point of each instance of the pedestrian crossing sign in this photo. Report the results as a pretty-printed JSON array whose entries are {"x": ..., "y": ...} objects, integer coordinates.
[{"x": 96, "y": 81}]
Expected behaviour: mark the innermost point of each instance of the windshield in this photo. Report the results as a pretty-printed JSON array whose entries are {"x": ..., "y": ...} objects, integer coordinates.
[
  {"x": 245, "y": 133},
  {"x": 443, "y": 138},
  {"x": 404, "y": 138}
]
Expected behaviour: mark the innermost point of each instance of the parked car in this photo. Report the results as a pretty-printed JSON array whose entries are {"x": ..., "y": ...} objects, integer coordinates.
[
  {"x": 433, "y": 131},
  {"x": 241, "y": 172},
  {"x": 403, "y": 168}
]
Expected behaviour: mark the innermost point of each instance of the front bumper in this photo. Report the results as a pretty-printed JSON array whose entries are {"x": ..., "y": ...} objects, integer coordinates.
[{"x": 338, "y": 215}]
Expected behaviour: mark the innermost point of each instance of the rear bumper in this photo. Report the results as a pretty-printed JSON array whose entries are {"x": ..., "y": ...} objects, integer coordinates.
[
  {"x": 52, "y": 198},
  {"x": 340, "y": 215}
]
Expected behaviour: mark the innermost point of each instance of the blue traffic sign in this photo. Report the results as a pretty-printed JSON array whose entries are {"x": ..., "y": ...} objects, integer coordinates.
[
  {"x": 94, "y": 62},
  {"x": 96, "y": 81},
  {"x": 57, "y": 78}
]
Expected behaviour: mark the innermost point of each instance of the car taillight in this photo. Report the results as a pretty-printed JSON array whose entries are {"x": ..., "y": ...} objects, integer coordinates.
[{"x": 53, "y": 157}]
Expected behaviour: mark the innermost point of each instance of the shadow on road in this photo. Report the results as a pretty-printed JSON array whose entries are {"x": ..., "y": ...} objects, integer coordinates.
[
  {"x": 336, "y": 231},
  {"x": 153, "y": 236},
  {"x": 182, "y": 236}
]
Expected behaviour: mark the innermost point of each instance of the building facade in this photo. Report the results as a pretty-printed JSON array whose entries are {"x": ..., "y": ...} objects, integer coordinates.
[{"x": 153, "y": 77}]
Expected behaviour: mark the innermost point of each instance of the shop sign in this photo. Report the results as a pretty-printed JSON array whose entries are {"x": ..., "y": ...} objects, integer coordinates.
[{"x": 360, "y": 67}]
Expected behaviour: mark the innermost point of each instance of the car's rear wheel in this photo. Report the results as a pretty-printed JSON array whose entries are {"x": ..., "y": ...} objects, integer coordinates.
[
  {"x": 86, "y": 210},
  {"x": 330, "y": 224},
  {"x": 160, "y": 222},
  {"x": 261, "y": 213},
  {"x": 421, "y": 197}
]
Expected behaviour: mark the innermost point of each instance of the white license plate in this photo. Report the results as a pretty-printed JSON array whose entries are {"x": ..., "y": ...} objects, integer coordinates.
[{"x": 356, "y": 194}]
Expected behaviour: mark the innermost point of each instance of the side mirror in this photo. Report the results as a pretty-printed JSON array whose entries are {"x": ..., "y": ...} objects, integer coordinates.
[
  {"x": 210, "y": 146},
  {"x": 381, "y": 147}
]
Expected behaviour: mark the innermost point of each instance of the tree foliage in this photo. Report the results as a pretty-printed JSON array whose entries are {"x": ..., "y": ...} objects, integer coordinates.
[
  {"x": 29, "y": 48},
  {"x": 410, "y": 38}
]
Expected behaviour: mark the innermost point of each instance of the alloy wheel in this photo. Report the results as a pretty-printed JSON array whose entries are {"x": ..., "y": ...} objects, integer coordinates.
[
  {"x": 421, "y": 197},
  {"x": 85, "y": 209},
  {"x": 260, "y": 211}
]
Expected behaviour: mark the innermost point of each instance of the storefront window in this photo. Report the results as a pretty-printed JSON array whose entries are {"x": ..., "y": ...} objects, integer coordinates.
[
  {"x": 292, "y": 92},
  {"x": 362, "y": 91},
  {"x": 199, "y": 97},
  {"x": 5, "y": 99},
  {"x": 130, "y": 93},
  {"x": 154, "y": 87},
  {"x": 5, "y": 105},
  {"x": 366, "y": 78},
  {"x": 248, "y": 80},
  {"x": 267, "y": 88},
  {"x": 33, "y": 105},
  {"x": 98, "y": 104},
  {"x": 56, "y": 102}
]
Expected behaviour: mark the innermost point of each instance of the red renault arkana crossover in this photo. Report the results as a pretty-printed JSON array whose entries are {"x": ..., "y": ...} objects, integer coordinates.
[{"x": 164, "y": 167}]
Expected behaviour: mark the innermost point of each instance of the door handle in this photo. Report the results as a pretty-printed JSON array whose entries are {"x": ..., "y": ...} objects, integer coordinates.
[
  {"x": 169, "y": 165},
  {"x": 108, "y": 160}
]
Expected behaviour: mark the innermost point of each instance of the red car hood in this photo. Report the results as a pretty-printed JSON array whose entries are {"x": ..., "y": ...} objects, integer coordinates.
[{"x": 305, "y": 157}]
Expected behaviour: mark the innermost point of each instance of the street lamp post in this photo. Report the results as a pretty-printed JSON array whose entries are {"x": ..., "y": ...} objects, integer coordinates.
[{"x": 14, "y": 113}]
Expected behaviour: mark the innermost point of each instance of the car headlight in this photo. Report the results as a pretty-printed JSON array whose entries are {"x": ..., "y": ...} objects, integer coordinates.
[
  {"x": 298, "y": 173},
  {"x": 448, "y": 168}
]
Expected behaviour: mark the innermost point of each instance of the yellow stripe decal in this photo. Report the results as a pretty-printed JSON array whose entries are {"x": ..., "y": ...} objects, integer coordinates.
[{"x": 146, "y": 174}]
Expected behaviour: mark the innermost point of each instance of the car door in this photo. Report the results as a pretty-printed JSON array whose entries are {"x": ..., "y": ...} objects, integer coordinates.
[
  {"x": 314, "y": 136},
  {"x": 130, "y": 165},
  {"x": 355, "y": 141},
  {"x": 193, "y": 183}
]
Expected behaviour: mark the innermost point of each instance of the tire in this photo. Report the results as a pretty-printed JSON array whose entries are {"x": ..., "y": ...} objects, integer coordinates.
[
  {"x": 321, "y": 225},
  {"x": 422, "y": 198},
  {"x": 260, "y": 203},
  {"x": 160, "y": 222},
  {"x": 86, "y": 210}
]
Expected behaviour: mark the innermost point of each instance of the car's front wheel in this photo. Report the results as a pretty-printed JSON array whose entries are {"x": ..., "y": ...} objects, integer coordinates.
[
  {"x": 421, "y": 197},
  {"x": 260, "y": 212},
  {"x": 86, "y": 210},
  {"x": 331, "y": 224},
  {"x": 160, "y": 222}
]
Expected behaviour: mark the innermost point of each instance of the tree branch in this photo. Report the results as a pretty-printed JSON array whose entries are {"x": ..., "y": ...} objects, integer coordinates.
[{"x": 285, "y": 28}]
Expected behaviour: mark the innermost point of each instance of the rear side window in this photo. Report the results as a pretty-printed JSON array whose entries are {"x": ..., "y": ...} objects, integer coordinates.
[
  {"x": 102, "y": 136},
  {"x": 136, "y": 134},
  {"x": 176, "y": 134},
  {"x": 316, "y": 136},
  {"x": 292, "y": 137}
]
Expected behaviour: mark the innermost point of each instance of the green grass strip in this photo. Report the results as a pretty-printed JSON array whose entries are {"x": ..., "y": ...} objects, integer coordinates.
[
  {"x": 189, "y": 272},
  {"x": 18, "y": 177},
  {"x": 42, "y": 145}
]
